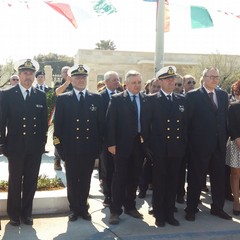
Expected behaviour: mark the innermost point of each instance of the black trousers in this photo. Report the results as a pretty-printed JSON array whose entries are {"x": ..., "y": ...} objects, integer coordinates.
[
  {"x": 107, "y": 168},
  {"x": 198, "y": 167},
  {"x": 146, "y": 176},
  {"x": 79, "y": 170},
  {"x": 22, "y": 184},
  {"x": 165, "y": 178},
  {"x": 125, "y": 179}
]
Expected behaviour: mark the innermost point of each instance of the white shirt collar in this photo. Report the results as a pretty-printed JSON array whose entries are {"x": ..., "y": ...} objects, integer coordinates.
[
  {"x": 131, "y": 94},
  {"x": 23, "y": 89},
  {"x": 166, "y": 94},
  {"x": 77, "y": 92},
  {"x": 210, "y": 91}
]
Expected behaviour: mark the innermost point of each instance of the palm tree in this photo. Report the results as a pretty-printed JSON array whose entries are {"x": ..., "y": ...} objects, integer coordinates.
[{"x": 105, "y": 45}]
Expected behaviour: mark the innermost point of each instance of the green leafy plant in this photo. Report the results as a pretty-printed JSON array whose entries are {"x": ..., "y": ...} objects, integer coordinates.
[{"x": 44, "y": 184}]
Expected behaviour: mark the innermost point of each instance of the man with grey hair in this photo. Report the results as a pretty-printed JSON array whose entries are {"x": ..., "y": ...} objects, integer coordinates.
[
  {"x": 14, "y": 79},
  {"x": 111, "y": 80},
  {"x": 207, "y": 132},
  {"x": 127, "y": 133}
]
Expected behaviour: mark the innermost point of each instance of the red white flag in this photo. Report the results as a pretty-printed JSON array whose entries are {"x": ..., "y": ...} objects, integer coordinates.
[{"x": 64, "y": 9}]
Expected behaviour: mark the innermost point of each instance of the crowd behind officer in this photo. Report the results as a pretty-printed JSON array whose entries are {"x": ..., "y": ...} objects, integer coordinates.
[
  {"x": 77, "y": 137},
  {"x": 23, "y": 129},
  {"x": 64, "y": 86}
]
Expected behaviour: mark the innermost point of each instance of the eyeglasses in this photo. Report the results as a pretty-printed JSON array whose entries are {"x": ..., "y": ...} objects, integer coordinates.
[
  {"x": 15, "y": 79},
  {"x": 213, "y": 77},
  {"x": 178, "y": 84},
  {"x": 189, "y": 82}
]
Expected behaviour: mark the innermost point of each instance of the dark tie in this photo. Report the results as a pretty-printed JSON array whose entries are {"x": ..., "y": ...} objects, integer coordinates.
[
  {"x": 41, "y": 87},
  {"x": 134, "y": 102},
  {"x": 212, "y": 101},
  {"x": 27, "y": 96},
  {"x": 169, "y": 98},
  {"x": 81, "y": 99}
]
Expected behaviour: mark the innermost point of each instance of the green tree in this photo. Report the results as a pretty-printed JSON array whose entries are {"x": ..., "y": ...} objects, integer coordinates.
[
  {"x": 106, "y": 45},
  {"x": 55, "y": 60},
  {"x": 6, "y": 71},
  {"x": 229, "y": 68}
]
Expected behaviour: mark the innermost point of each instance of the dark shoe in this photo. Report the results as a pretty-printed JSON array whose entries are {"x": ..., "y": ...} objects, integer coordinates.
[
  {"x": 141, "y": 194},
  {"x": 173, "y": 221},
  {"x": 14, "y": 222},
  {"x": 160, "y": 223},
  {"x": 150, "y": 211},
  {"x": 190, "y": 217},
  {"x": 229, "y": 197},
  {"x": 106, "y": 202},
  {"x": 86, "y": 216},
  {"x": 180, "y": 199},
  {"x": 27, "y": 220},
  {"x": 72, "y": 217},
  {"x": 236, "y": 212},
  {"x": 220, "y": 214},
  {"x": 205, "y": 189},
  {"x": 57, "y": 165},
  {"x": 134, "y": 213},
  {"x": 114, "y": 219}
]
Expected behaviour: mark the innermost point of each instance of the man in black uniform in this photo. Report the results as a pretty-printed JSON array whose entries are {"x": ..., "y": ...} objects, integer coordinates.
[
  {"x": 168, "y": 141},
  {"x": 23, "y": 129},
  {"x": 40, "y": 77},
  {"x": 111, "y": 80},
  {"x": 77, "y": 137}
]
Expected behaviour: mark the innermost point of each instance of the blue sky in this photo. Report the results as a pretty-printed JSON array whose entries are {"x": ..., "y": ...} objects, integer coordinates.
[{"x": 39, "y": 29}]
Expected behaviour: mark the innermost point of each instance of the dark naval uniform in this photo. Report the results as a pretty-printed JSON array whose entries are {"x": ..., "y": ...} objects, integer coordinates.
[
  {"x": 168, "y": 141},
  {"x": 78, "y": 135},
  {"x": 23, "y": 144}
]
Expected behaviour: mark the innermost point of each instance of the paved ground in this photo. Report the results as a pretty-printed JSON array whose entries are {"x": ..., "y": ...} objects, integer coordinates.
[{"x": 48, "y": 227}]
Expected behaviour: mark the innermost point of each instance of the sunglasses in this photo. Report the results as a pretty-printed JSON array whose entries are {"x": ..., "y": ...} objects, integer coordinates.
[
  {"x": 193, "y": 82},
  {"x": 178, "y": 84}
]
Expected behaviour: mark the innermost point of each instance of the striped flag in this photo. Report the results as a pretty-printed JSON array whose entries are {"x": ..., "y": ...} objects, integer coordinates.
[
  {"x": 82, "y": 10},
  {"x": 199, "y": 16}
]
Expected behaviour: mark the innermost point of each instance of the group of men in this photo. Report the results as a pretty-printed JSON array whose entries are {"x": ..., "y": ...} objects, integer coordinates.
[{"x": 120, "y": 128}]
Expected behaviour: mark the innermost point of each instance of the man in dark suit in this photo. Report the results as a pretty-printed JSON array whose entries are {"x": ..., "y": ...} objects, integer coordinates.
[
  {"x": 40, "y": 77},
  {"x": 24, "y": 118},
  {"x": 207, "y": 127},
  {"x": 127, "y": 132},
  {"x": 168, "y": 143},
  {"x": 111, "y": 80},
  {"x": 77, "y": 137}
]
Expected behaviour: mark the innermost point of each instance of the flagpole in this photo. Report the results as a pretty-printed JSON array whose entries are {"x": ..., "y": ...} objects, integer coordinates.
[{"x": 159, "y": 46}]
